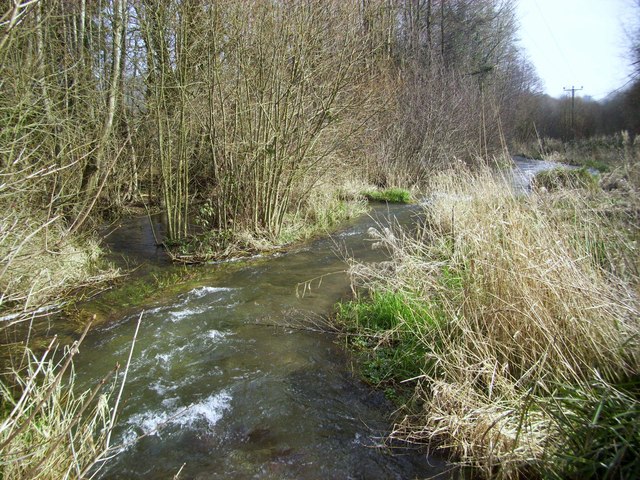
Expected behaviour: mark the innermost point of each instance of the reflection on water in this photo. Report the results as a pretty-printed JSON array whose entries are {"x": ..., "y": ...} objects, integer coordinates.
[{"x": 136, "y": 240}]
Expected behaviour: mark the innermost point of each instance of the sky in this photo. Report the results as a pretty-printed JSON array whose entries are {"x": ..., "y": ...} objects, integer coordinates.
[{"x": 580, "y": 43}]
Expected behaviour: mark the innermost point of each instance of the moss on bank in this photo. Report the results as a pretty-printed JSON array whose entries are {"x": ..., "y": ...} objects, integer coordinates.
[{"x": 389, "y": 195}]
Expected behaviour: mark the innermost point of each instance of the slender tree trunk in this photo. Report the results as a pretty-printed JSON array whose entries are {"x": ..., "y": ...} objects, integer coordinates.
[{"x": 95, "y": 164}]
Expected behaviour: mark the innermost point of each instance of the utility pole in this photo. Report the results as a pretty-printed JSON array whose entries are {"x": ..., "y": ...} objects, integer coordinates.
[{"x": 573, "y": 91}]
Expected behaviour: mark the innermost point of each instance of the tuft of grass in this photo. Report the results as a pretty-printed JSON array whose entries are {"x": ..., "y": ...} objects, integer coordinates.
[
  {"x": 599, "y": 428},
  {"x": 47, "y": 430},
  {"x": 495, "y": 306},
  {"x": 390, "y": 195},
  {"x": 565, "y": 178},
  {"x": 385, "y": 330}
]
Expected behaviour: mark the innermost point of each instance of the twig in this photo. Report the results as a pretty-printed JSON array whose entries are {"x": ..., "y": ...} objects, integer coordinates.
[{"x": 124, "y": 380}]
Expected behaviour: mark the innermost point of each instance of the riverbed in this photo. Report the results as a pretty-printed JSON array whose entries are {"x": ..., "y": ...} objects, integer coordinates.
[
  {"x": 238, "y": 377},
  {"x": 234, "y": 379}
]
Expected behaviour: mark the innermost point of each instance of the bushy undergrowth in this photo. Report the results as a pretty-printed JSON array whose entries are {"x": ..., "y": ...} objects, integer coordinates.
[{"x": 515, "y": 325}]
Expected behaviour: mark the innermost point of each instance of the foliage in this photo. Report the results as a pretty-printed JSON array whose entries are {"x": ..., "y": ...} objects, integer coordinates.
[
  {"x": 110, "y": 103},
  {"x": 257, "y": 112}
]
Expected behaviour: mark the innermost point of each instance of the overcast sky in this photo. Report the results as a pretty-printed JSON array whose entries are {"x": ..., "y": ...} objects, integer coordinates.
[{"x": 579, "y": 43}]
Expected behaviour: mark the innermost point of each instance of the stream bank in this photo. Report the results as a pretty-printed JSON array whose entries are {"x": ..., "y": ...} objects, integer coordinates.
[{"x": 226, "y": 381}]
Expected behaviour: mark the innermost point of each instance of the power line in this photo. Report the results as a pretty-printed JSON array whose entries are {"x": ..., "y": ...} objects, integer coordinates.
[
  {"x": 573, "y": 91},
  {"x": 553, "y": 37}
]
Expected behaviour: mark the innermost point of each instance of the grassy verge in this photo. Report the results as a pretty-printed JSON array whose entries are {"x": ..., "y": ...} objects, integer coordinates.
[
  {"x": 389, "y": 195},
  {"x": 508, "y": 329},
  {"x": 41, "y": 264},
  {"x": 322, "y": 209}
]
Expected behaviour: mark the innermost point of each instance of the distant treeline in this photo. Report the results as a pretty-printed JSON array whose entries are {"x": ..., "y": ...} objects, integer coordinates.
[{"x": 618, "y": 112}]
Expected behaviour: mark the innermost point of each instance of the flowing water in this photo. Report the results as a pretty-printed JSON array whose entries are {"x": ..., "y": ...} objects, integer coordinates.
[
  {"x": 527, "y": 168},
  {"x": 217, "y": 383},
  {"x": 220, "y": 385}
]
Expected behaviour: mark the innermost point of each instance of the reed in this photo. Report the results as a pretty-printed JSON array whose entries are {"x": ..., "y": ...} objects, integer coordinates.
[
  {"x": 509, "y": 302},
  {"x": 47, "y": 429}
]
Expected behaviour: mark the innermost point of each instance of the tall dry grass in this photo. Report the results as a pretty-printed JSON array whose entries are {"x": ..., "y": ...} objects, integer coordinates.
[
  {"x": 513, "y": 302},
  {"x": 47, "y": 429},
  {"x": 40, "y": 263}
]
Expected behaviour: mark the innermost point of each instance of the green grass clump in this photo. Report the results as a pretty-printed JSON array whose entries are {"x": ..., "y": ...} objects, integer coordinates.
[
  {"x": 512, "y": 321},
  {"x": 390, "y": 195},
  {"x": 599, "y": 425},
  {"x": 565, "y": 178},
  {"x": 384, "y": 332}
]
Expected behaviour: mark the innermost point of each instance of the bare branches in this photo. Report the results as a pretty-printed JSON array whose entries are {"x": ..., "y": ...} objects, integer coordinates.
[{"x": 12, "y": 18}]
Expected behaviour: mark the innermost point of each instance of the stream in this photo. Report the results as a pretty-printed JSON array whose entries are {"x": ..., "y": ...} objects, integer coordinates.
[
  {"x": 223, "y": 384},
  {"x": 219, "y": 384}
]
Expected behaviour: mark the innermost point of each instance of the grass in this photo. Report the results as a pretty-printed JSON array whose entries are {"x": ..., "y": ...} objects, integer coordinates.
[
  {"x": 384, "y": 327},
  {"x": 565, "y": 178},
  {"x": 41, "y": 263},
  {"x": 389, "y": 195},
  {"x": 599, "y": 428},
  {"x": 326, "y": 208},
  {"x": 508, "y": 318},
  {"x": 47, "y": 430}
]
